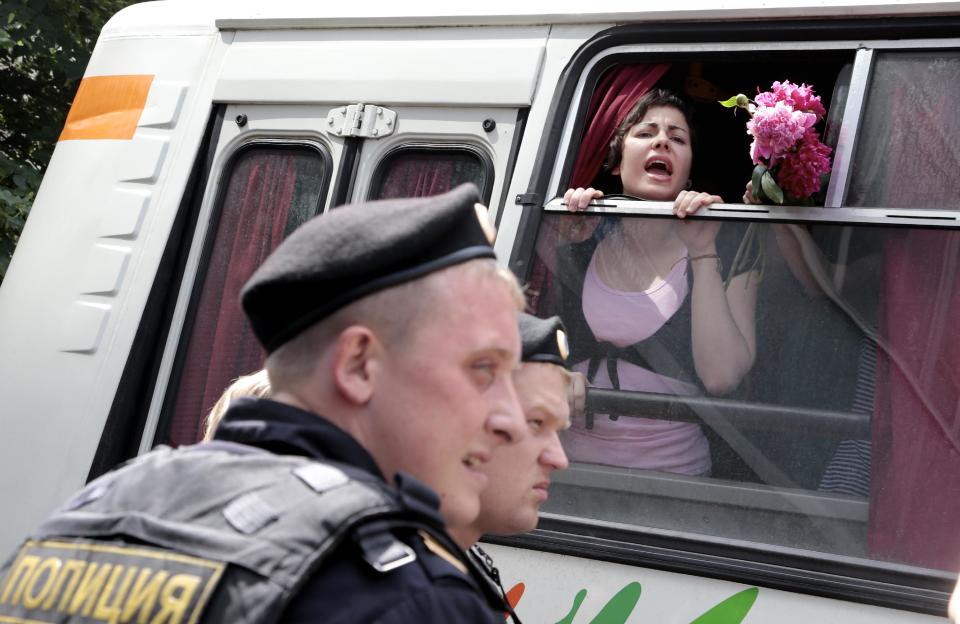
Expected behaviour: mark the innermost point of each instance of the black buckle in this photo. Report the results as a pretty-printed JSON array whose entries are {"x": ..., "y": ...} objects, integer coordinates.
[{"x": 382, "y": 550}]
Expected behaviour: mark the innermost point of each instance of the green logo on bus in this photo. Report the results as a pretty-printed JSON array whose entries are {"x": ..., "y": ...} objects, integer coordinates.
[{"x": 730, "y": 611}]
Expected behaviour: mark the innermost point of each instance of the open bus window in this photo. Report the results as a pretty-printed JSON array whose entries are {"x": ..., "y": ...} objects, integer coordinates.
[
  {"x": 422, "y": 170},
  {"x": 268, "y": 191},
  {"x": 843, "y": 437},
  {"x": 721, "y": 162}
]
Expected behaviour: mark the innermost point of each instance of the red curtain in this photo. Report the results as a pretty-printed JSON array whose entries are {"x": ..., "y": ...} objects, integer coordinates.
[
  {"x": 419, "y": 175},
  {"x": 222, "y": 346},
  {"x": 915, "y": 476},
  {"x": 915, "y": 498},
  {"x": 617, "y": 92}
]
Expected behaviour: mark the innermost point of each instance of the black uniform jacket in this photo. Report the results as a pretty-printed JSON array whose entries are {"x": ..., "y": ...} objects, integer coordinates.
[{"x": 347, "y": 588}]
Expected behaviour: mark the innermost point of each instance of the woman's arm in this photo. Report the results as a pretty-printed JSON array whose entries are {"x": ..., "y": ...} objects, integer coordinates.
[
  {"x": 723, "y": 326},
  {"x": 791, "y": 240}
]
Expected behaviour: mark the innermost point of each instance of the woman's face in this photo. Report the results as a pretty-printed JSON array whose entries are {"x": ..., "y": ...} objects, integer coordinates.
[{"x": 657, "y": 155}]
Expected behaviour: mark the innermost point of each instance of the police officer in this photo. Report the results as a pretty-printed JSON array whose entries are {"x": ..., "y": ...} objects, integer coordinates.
[
  {"x": 391, "y": 335},
  {"x": 520, "y": 473}
]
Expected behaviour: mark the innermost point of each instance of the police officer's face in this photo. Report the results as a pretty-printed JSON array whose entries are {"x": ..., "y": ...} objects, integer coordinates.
[
  {"x": 446, "y": 398},
  {"x": 520, "y": 473}
]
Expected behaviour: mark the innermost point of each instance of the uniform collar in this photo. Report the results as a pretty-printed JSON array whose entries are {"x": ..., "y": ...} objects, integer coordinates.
[{"x": 287, "y": 430}]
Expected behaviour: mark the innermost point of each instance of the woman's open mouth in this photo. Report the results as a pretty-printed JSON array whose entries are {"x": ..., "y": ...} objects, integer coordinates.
[{"x": 659, "y": 169}]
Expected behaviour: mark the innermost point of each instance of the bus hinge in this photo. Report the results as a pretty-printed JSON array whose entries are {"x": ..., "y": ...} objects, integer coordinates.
[{"x": 362, "y": 120}]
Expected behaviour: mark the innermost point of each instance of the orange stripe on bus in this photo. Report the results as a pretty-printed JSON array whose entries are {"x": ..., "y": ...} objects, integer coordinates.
[{"x": 107, "y": 107}]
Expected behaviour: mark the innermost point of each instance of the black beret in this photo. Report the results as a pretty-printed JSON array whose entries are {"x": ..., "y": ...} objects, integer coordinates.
[
  {"x": 544, "y": 340},
  {"x": 353, "y": 251}
]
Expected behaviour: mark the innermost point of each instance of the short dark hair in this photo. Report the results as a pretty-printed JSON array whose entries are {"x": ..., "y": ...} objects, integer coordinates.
[{"x": 651, "y": 99}]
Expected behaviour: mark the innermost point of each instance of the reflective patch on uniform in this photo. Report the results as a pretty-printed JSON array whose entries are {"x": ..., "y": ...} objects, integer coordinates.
[
  {"x": 249, "y": 513},
  {"x": 321, "y": 477},
  {"x": 53, "y": 581}
]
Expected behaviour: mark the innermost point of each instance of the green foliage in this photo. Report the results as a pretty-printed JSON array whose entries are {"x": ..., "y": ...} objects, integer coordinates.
[
  {"x": 755, "y": 179},
  {"x": 765, "y": 188},
  {"x": 770, "y": 188},
  {"x": 739, "y": 101},
  {"x": 730, "y": 103},
  {"x": 18, "y": 185},
  {"x": 44, "y": 48}
]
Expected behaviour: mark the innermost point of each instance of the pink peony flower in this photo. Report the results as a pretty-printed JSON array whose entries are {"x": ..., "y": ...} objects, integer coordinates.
[
  {"x": 775, "y": 129},
  {"x": 800, "y": 98},
  {"x": 798, "y": 173},
  {"x": 766, "y": 98}
]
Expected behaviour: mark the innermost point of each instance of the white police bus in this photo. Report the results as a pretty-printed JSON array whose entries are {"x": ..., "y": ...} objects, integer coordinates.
[{"x": 204, "y": 132}]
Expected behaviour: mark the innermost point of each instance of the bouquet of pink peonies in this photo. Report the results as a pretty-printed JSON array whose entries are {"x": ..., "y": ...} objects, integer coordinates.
[{"x": 786, "y": 148}]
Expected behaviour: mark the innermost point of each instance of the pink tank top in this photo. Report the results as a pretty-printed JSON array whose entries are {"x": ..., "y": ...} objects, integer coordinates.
[{"x": 624, "y": 318}]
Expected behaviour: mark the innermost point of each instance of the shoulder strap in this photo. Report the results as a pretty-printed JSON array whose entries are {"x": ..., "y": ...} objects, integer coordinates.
[{"x": 484, "y": 562}]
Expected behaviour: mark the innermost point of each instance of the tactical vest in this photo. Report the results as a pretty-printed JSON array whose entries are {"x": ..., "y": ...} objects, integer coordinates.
[{"x": 221, "y": 530}]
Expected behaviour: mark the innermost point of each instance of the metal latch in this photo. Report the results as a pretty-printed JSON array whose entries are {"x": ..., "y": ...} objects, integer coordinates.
[
  {"x": 362, "y": 120},
  {"x": 528, "y": 199}
]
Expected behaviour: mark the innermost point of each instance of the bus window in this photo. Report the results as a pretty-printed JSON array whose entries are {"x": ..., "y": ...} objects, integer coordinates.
[
  {"x": 841, "y": 438},
  {"x": 416, "y": 171},
  {"x": 269, "y": 190},
  {"x": 908, "y": 155},
  {"x": 842, "y": 435}
]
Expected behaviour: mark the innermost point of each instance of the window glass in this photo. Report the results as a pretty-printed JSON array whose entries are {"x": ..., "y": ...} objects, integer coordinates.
[
  {"x": 421, "y": 171},
  {"x": 270, "y": 191},
  {"x": 908, "y": 154},
  {"x": 799, "y": 389}
]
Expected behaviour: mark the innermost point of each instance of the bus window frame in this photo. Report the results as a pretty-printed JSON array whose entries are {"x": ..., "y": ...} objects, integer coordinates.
[
  {"x": 847, "y": 578},
  {"x": 669, "y": 41},
  {"x": 231, "y": 158},
  {"x": 432, "y": 148},
  {"x": 122, "y": 435}
]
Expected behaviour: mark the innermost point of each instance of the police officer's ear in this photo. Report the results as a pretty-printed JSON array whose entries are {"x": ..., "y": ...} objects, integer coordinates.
[{"x": 355, "y": 362}]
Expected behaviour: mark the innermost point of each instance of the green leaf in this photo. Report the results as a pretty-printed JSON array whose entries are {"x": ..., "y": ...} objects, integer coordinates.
[
  {"x": 732, "y": 610},
  {"x": 758, "y": 172},
  {"x": 770, "y": 188},
  {"x": 577, "y": 601},
  {"x": 738, "y": 101},
  {"x": 731, "y": 103}
]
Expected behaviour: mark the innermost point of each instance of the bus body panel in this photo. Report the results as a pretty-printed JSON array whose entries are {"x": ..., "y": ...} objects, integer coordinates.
[
  {"x": 462, "y": 66},
  {"x": 73, "y": 297},
  {"x": 75, "y": 293},
  {"x": 553, "y": 587}
]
